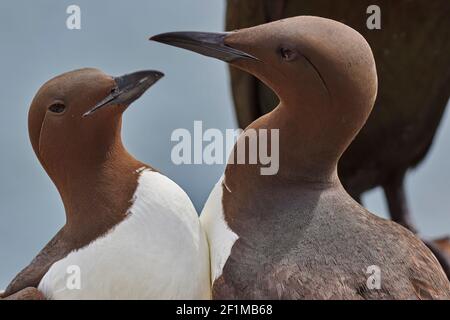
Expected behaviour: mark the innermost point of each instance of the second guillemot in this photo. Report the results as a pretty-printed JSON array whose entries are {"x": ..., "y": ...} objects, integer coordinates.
[
  {"x": 132, "y": 232},
  {"x": 298, "y": 234}
]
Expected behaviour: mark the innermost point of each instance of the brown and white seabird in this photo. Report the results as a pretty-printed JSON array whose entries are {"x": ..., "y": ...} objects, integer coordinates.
[
  {"x": 298, "y": 234},
  {"x": 131, "y": 232},
  {"x": 412, "y": 95}
]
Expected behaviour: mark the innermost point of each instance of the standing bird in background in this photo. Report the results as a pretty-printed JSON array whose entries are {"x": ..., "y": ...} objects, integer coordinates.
[
  {"x": 411, "y": 51},
  {"x": 131, "y": 232},
  {"x": 297, "y": 234}
]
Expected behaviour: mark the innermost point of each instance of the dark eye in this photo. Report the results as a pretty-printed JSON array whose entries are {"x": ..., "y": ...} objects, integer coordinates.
[
  {"x": 288, "y": 54},
  {"x": 57, "y": 108}
]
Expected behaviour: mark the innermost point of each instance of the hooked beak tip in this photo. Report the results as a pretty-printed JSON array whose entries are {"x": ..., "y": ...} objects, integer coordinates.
[
  {"x": 154, "y": 38},
  {"x": 158, "y": 75}
]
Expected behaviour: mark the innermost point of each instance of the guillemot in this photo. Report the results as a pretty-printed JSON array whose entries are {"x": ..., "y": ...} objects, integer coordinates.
[
  {"x": 130, "y": 232},
  {"x": 412, "y": 95},
  {"x": 298, "y": 234}
]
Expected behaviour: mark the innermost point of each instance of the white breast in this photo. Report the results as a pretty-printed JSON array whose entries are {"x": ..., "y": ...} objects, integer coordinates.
[
  {"x": 220, "y": 237},
  {"x": 158, "y": 252}
]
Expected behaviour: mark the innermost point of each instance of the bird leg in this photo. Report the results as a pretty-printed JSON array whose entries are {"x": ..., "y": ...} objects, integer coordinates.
[
  {"x": 394, "y": 190},
  {"x": 441, "y": 253}
]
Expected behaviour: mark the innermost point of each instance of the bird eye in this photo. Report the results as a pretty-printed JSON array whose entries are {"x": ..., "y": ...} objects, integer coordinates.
[
  {"x": 288, "y": 54},
  {"x": 57, "y": 108}
]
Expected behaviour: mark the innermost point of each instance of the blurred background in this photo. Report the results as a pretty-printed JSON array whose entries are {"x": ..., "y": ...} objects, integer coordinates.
[{"x": 36, "y": 46}]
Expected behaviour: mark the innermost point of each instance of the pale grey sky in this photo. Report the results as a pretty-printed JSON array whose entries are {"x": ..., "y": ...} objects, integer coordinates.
[{"x": 36, "y": 46}]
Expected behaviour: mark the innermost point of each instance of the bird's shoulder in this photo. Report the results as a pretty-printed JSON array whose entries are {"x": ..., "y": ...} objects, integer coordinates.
[{"x": 57, "y": 248}]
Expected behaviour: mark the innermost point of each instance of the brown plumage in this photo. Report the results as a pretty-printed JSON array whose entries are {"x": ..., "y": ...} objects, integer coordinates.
[
  {"x": 412, "y": 57},
  {"x": 29, "y": 293}
]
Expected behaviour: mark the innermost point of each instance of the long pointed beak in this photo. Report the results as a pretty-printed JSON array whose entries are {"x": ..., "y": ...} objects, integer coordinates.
[
  {"x": 205, "y": 43},
  {"x": 128, "y": 89}
]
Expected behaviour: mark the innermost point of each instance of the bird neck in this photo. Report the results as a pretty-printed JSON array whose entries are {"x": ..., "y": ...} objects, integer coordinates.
[
  {"x": 97, "y": 196},
  {"x": 304, "y": 154}
]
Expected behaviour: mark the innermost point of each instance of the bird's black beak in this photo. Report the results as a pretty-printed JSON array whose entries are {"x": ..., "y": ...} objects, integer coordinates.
[
  {"x": 206, "y": 43},
  {"x": 128, "y": 89}
]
